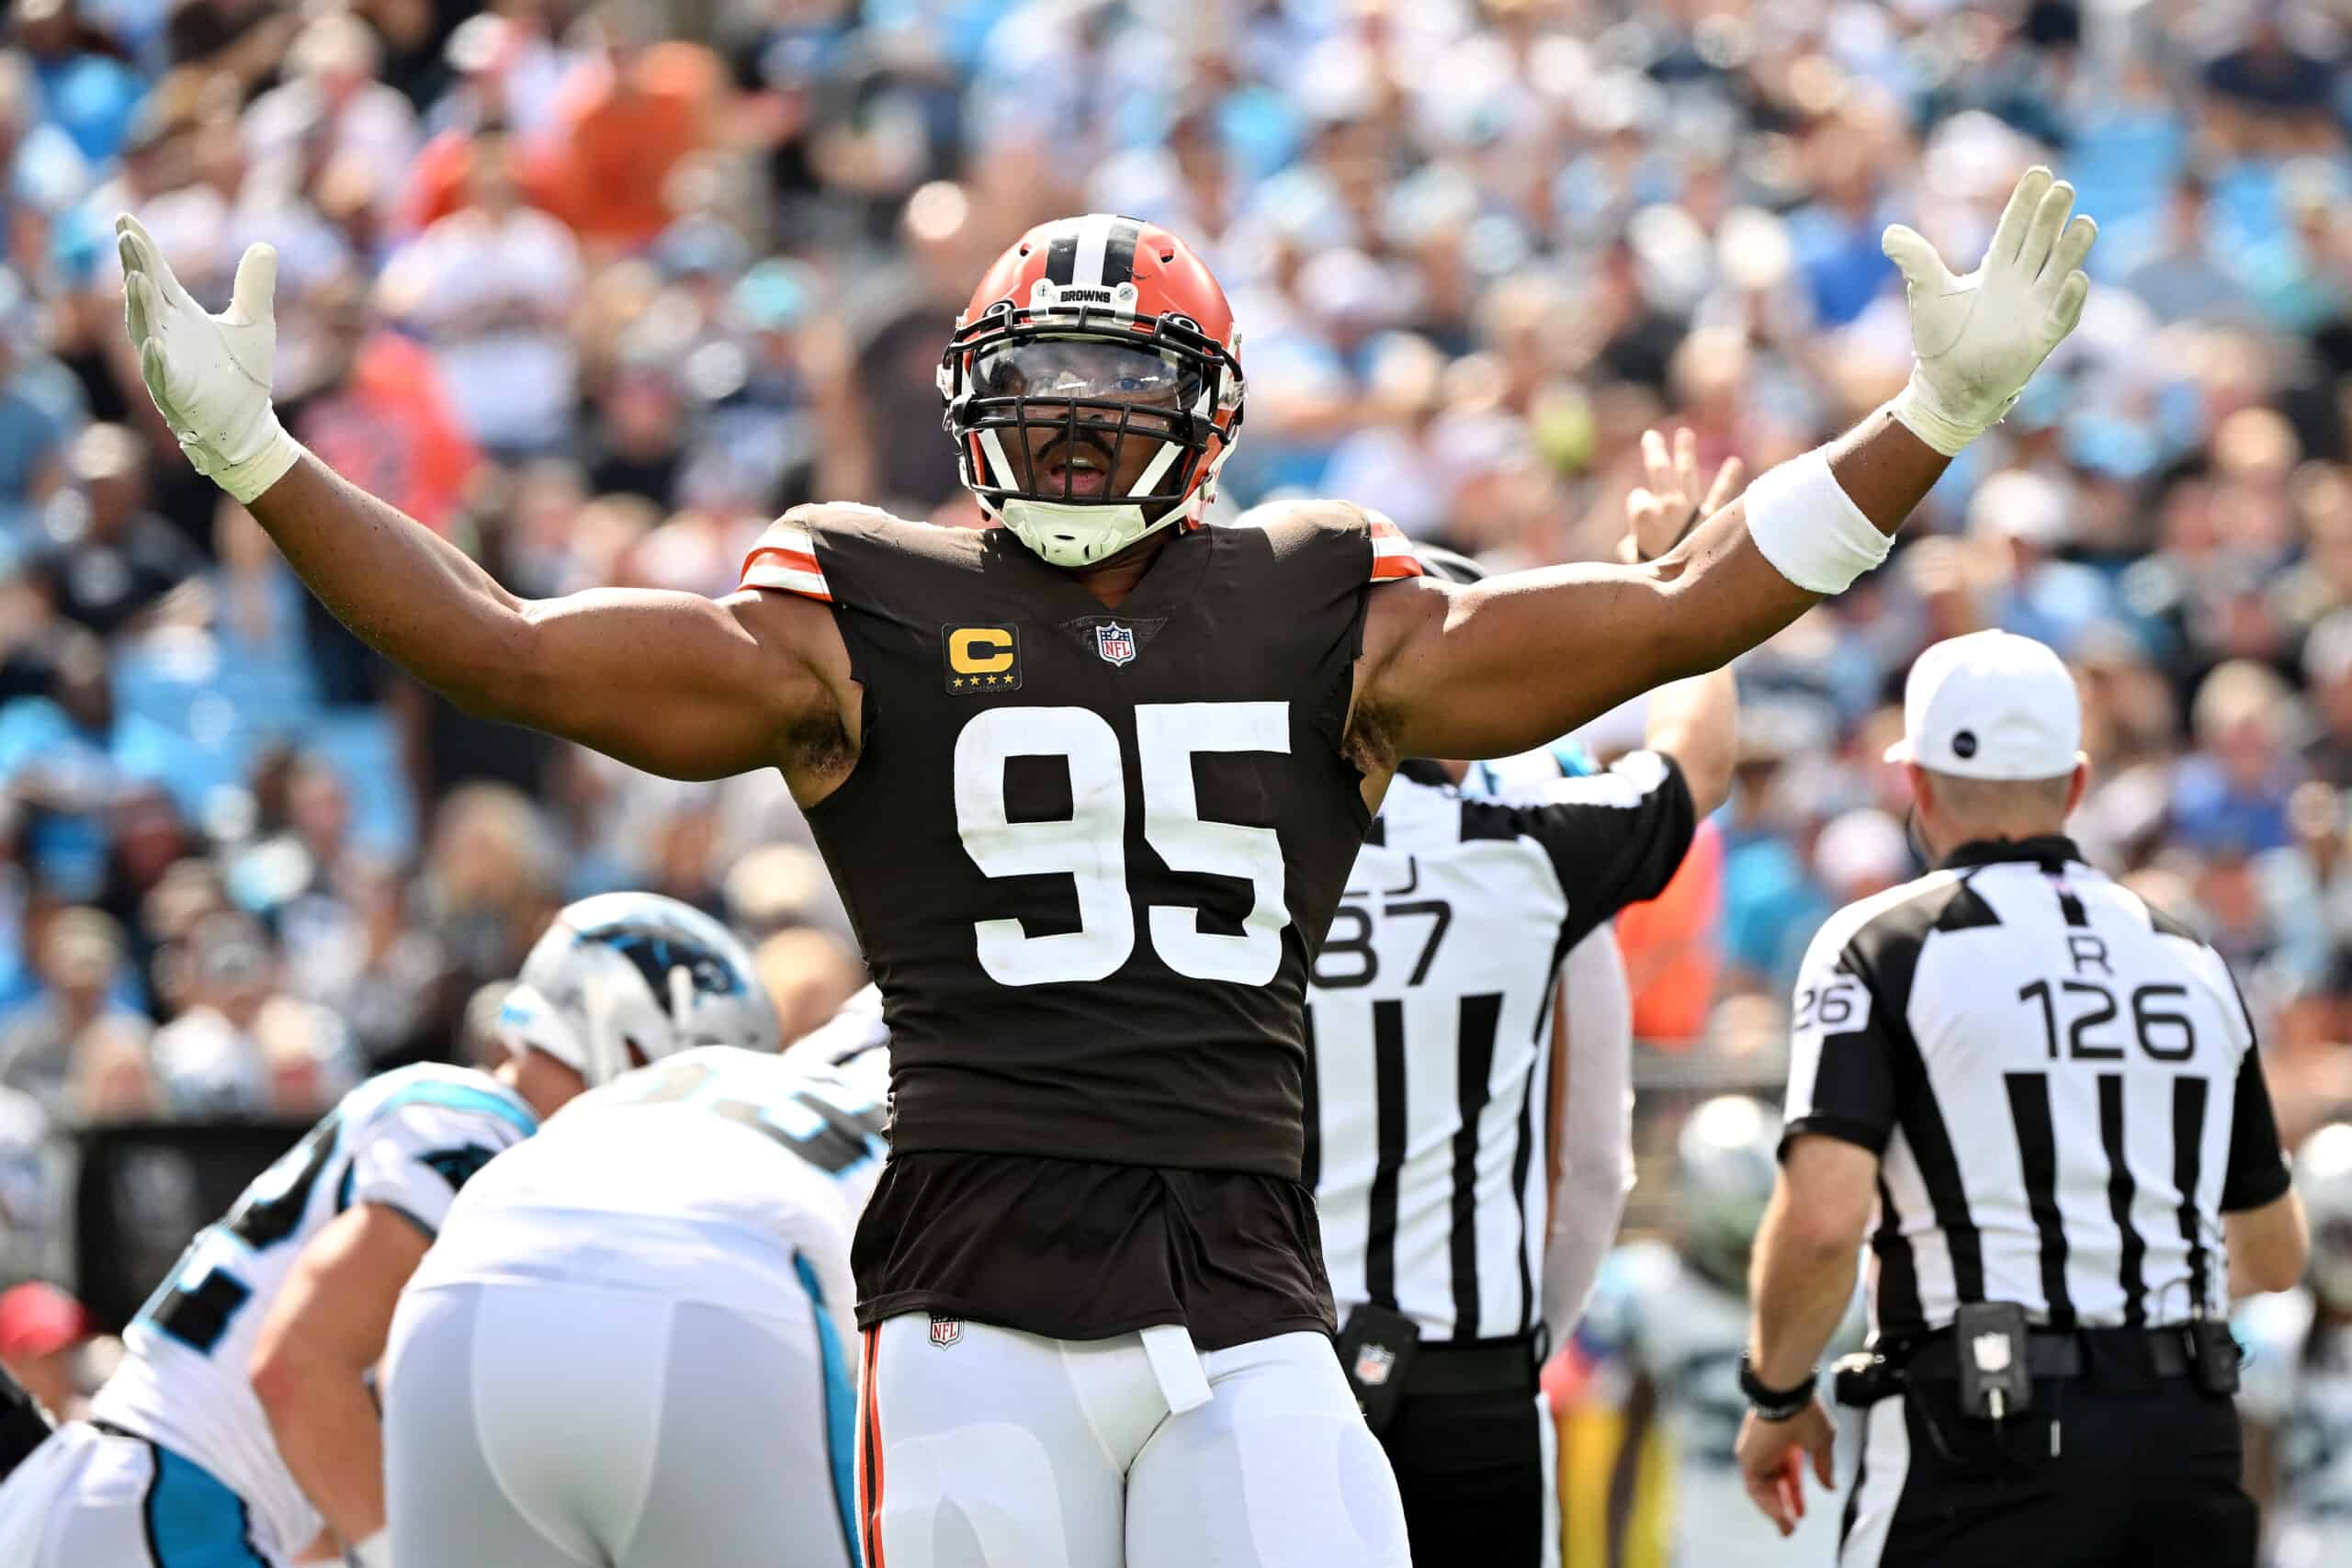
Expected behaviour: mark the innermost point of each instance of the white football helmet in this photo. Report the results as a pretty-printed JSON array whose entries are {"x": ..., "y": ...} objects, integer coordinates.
[
  {"x": 1726, "y": 1163},
  {"x": 622, "y": 979},
  {"x": 2324, "y": 1176}
]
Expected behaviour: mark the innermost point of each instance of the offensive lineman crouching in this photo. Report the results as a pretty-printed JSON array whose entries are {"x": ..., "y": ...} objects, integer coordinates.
[
  {"x": 631, "y": 1344},
  {"x": 239, "y": 1431}
]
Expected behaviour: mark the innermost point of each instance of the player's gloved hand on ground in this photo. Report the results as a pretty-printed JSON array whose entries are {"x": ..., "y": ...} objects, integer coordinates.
[
  {"x": 1978, "y": 338},
  {"x": 210, "y": 374}
]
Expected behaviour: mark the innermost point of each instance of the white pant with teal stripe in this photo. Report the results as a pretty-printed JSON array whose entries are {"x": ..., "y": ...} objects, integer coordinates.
[
  {"x": 558, "y": 1423},
  {"x": 88, "y": 1498}
]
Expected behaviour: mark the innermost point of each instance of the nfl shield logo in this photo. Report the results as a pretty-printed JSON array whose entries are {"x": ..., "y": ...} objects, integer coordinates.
[
  {"x": 1116, "y": 643},
  {"x": 945, "y": 1331},
  {"x": 1374, "y": 1363}
]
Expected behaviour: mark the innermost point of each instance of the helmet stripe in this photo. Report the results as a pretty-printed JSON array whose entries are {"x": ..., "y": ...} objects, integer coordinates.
[
  {"x": 1061, "y": 255},
  {"x": 1119, "y": 255},
  {"x": 1094, "y": 242}
]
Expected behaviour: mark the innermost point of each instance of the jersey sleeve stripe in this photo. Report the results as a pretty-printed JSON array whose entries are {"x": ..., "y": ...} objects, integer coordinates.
[
  {"x": 1392, "y": 552},
  {"x": 785, "y": 559}
]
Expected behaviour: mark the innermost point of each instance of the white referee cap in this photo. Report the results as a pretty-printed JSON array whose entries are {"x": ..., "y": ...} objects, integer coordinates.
[{"x": 1991, "y": 705}]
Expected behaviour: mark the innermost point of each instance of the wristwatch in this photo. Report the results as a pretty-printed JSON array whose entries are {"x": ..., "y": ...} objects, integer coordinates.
[{"x": 1774, "y": 1403}]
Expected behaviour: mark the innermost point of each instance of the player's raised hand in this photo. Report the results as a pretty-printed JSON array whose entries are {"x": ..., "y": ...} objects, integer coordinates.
[
  {"x": 1668, "y": 505},
  {"x": 210, "y": 374},
  {"x": 1978, "y": 338}
]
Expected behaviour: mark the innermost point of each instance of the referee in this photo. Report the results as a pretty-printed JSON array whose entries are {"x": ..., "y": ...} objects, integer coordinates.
[
  {"x": 1436, "y": 1087},
  {"x": 2048, "y": 1093}
]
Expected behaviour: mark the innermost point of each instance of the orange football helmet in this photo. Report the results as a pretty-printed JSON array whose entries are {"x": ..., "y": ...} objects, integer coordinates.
[{"x": 1104, "y": 330}]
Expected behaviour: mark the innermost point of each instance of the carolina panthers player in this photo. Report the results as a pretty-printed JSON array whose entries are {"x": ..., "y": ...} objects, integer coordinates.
[
  {"x": 239, "y": 1431},
  {"x": 1675, "y": 1318},
  {"x": 632, "y": 1344},
  {"x": 2297, "y": 1398}
]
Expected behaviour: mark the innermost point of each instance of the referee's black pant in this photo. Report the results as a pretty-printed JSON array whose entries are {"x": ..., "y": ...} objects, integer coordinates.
[
  {"x": 1474, "y": 1461},
  {"x": 2142, "y": 1472}
]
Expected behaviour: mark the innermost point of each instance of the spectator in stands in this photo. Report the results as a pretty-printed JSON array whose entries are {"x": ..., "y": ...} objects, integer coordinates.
[
  {"x": 110, "y": 559},
  {"x": 242, "y": 1048},
  {"x": 379, "y": 412},
  {"x": 2022, "y": 521},
  {"x": 331, "y": 93},
  {"x": 2231, "y": 794},
  {"x": 88, "y": 88},
  {"x": 626, "y": 117},
  {"x": 40, "y": 406},
  {"x": 2180, "y": 273},
  {"x": 80, "y": 963},
  {"x": 33, "y": 1199},
  {"x": 41, "y": 171},
  {"x": 492, "y": 288},
  {"x": 113, "y": 1079}
]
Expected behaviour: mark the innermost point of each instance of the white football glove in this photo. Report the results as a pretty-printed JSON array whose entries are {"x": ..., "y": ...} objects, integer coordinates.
[
  {"x": 210, "y": 374},
  {"x": 1978, "y": 338}
]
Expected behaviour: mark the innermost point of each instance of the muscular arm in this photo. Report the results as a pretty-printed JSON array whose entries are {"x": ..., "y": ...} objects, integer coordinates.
[
  {"x": 671, "y": 683},
  {"x": 324, "y": 1332},
  {"x": 1507, "y": 664}
]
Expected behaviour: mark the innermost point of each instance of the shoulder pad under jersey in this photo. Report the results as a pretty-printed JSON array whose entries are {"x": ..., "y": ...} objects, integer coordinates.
[
  {"x": 785, "y": 557},
  {"x": 1392, "y": 552}
]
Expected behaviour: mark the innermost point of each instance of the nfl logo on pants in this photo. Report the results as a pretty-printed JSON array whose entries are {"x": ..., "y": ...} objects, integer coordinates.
[
  {"x": 945, "y": 1331},
  {"x": 1116, "y": 643}
]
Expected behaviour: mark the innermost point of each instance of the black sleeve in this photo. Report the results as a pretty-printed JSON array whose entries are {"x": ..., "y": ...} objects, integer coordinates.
[
  {"x": 1615, "y": 838},
  {"x": 2257, "y": 1171},
  {"x": 1841, "y": 1053}
]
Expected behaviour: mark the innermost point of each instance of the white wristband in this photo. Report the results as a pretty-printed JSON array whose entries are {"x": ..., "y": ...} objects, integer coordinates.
[
  {"x": 1809, "y": 529},
  {"x": 375, "y": 1551}
]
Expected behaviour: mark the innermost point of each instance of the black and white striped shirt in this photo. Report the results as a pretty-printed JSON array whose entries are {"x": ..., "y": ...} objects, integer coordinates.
[
  {"x": 1429, "y": 1016},
  {"x": 2060, "y": 1081}
]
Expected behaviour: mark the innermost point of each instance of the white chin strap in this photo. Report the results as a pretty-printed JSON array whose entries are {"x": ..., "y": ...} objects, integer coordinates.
[
  {"x": 1080, "y": 536},
  {"x": 1068, "y": 535}
]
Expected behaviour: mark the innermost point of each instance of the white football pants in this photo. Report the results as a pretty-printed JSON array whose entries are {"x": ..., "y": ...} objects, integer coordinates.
[
  {"x": 92, "y": 1499},
  {"x": 557, "y": 1423},
  {"x": 986, "y": 1448}
]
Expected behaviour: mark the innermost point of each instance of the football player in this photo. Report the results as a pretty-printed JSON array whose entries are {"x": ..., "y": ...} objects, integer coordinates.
[
  {"x": 633, "y": 1343},
  {"x": 1091, "y": 784},
  {"x": 2298, "y": 1395},
  {"x": 1670, "y": 1320},
  {"x": 240, "y": 1431}
]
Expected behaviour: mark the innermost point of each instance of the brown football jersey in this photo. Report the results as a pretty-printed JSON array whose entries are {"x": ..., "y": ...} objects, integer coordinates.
[{"x": 1090, "y": 854}]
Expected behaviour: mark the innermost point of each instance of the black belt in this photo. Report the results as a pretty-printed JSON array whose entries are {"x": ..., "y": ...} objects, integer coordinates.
[
  {"x": 1478, "y": 1366},
  {"x": 2058, "y": 1353}
]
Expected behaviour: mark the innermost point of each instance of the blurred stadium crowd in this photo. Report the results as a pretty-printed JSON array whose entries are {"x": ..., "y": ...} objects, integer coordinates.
[{"x": 597, "y": 292}]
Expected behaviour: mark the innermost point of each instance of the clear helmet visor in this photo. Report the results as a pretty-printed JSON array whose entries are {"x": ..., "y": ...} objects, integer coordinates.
[
  {"x": 1082, "y": 421},
  {"x": 1087, "y": 371}
]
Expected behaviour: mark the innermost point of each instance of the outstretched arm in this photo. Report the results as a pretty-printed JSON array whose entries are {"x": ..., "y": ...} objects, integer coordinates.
[
  {"x": 671, "y": 683},
  {"x": 1506, "y": 664}
]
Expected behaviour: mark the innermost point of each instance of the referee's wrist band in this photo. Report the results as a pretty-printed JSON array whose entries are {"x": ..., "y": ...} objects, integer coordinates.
[{"x": 1775, "y": 1404}]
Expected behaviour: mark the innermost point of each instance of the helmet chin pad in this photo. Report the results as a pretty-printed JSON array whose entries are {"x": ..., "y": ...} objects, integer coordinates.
[{"x": 1074, "y": 536}]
